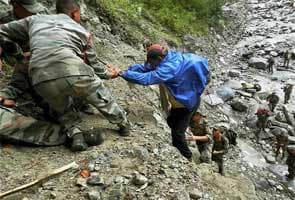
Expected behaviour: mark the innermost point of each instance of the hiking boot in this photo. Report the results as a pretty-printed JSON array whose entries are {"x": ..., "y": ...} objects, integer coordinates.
[
  {"x": 94, "y": 138},
  {"x": 78, "y": 143},
  {"x": 124, "y": 130}
]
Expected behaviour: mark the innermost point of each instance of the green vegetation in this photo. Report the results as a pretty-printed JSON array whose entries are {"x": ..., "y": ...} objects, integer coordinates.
[{"x": 154, "y": 18}]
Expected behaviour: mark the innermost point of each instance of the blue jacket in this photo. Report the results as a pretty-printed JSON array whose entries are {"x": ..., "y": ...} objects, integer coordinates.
[{"x": 183, "y": 74}]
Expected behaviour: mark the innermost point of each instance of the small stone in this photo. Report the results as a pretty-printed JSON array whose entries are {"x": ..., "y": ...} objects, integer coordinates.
[
  {"x": 234, "y": 73},
  {"x": 95, "y": 179},
  {"x": 116, "y": 193},
  {"x": 81, "y": 182},
  {"x": 53, "y": 195},
  {"x": 93, "y": 195},
  {"x": 141, "y": 152},
  {"x": 280, "y": 188},
  {"x": 195, "y": 194},
  {"x": 139, "y": 179}
]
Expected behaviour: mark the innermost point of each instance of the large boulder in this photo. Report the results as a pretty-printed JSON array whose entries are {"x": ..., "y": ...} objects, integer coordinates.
[
  {"x": 225, "y": 93},
  {"x": 239, "y": 105},
  {"x": 258, "y": 63}
]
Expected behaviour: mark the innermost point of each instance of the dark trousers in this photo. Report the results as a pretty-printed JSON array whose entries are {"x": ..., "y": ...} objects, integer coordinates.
[{"x": 178, "y": 121}]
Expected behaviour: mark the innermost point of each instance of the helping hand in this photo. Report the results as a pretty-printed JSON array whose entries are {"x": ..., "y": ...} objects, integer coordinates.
[{"x": 7, "y": 102}]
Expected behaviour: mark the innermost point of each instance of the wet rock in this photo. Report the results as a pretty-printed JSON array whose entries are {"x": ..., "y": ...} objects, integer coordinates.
[
  {"x": 258, "y": 63},
  {"x": 95, "y": 179},
  {"x": 93, "y": 195},
  {"x": 234, "y": 73},
  {"x": 238, "y": 105},
  {"x": 195, "y": 194},
  {"x": 269, "y": 158},
  {"x": 139, "y": 179},
  {"x": 225, "y": 93}
]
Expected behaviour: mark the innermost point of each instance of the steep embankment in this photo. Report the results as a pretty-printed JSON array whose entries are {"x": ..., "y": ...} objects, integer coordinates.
[{"x": 120, "y": 167}]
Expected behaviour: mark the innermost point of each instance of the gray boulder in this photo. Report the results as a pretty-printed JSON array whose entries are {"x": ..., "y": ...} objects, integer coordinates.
[
  {"x": 258, "y": 63},
  {"x": 225, "y": 93},
  {"x": 238, "y": 105}
]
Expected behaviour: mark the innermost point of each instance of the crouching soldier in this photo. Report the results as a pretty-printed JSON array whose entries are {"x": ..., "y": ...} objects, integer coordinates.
[
  {"x": 291, "y": 161},
  {"x": 202, "y": 136},
  {"x": 220, "y": 147}
]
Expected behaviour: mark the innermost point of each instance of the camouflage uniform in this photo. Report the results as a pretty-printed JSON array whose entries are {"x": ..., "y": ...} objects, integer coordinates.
[
  {"x": 287, "y": 57},
  {"x": 18, "y": 127},
  {"x": 205, "y": 148},
  {"x": 287, "y": 90},
  {"x": 291, "y": 163},
  {"x": 223, "y": 146},
  {"x": 281, "y": 135},
  {"x": 19, "y": 84},
  {"x": 273, "y": 100},
  {"x": 271, "y": 63},
  {"x": 57, "y": 70}
]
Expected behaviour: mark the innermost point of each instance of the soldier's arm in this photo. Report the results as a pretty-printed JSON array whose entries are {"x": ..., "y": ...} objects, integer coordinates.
[
  {"x": 92, "y": 60},
  {"x": 14, "y": 31},
  {"x": 198, "y": 138}
]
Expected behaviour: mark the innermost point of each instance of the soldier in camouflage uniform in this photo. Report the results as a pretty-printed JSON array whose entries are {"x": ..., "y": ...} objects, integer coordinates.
[
  {"x": 281, "y": 136},
  {"x": 287, "y": 57},
  {"x": 202, "y": 136},
  {"x": 291, "y": 161},
  {"x": 287, "y": 90},
  {"x": 63, "y": 67},
  {"x": 270, "y": 65},
  {"x": 220, "y": 147},
  {"x": 273, "y": 99}
]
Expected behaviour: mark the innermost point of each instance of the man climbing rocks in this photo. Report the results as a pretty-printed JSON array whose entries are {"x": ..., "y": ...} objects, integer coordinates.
[
  {"x": 262, "y": 116},
  {"x": 220, "y": 147},
  {"x": 287, "y": 90},
  {"x": 58, "y": 69},
  {"x": 184, "y": 76},
  {"x": 202, "y": 135},
  {"x": 287, "y": 57},
  {"x": 281, "y": 136},
  {"x": 270, "y": 65},
  {"x": 273, "y": 99},
  {"x": 291, "y": 161}
]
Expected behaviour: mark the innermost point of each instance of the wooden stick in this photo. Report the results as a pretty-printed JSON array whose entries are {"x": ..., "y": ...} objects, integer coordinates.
[{"x": 49, "y": 175}]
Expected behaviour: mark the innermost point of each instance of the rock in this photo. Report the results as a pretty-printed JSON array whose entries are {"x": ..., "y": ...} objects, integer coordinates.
[
  {"x": 141, "y": 152},
  {"x": 213, "y": 100},
  {"x": 258, "y": 63},
  {"x": 93, "y": 195},
  {"x": 53, "y": 195},
  {"x": 239, "y": 106},
  {"x": 225, "y": 93},
  {"x": 95, "y": 179},
  {"x": 262, "y": 185},
  {"x": 269, "y": 158},
  {"x": 116, "y": 193},
  {"x": 195, "y": 194},
  {"x": 81, "y": 182},
  {"x": 139, "y": 179},
  {"x": 291, "y": 139},
  {"x": 182, "y": 195},
  {"x": 234, "y": 73}
]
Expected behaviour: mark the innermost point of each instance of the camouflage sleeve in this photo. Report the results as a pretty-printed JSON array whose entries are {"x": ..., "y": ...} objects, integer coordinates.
[
  {"x": 92, "y": 59},
  {"x": 10, "y": 32},
  {"x": 225, "y": 145}
]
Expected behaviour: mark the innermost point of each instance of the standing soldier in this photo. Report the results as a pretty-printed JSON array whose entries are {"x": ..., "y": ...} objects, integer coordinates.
[
  {"x": 291, "y": 161},
  {"x": 273, "y": 99},
  {"x": 262, "y": 116},
  {"x": 281, "y": 136},
  {"x": 287, "y": 57},
  {"x": 271, "y": 63},
  {"x": 202, "y": 136},
  {"x": 220, "y": 147},
  {"x": 287, "y": 90}
]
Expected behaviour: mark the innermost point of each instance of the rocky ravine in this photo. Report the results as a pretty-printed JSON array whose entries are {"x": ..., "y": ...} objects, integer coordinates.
[{"x": 144, "y": 165}]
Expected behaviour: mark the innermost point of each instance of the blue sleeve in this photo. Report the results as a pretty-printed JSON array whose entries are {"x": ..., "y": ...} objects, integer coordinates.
[
  {"x": 139, "y": 68},
  {"x": 161, "y": 74},
  {"x": 202, "y": 73}
]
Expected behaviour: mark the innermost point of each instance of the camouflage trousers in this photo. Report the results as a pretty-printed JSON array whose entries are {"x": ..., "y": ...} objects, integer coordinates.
[
  {"x": 17, "y": 127},
  {"x": 63, "y": 95},
  {"x": 205, "y": 152}
]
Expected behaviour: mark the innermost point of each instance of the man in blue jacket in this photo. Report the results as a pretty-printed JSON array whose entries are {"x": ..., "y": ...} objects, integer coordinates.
[{"x": 185, "y": 78}]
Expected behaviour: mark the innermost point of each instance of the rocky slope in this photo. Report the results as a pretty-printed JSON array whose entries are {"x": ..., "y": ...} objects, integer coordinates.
[{"x": 145, "y": 165}]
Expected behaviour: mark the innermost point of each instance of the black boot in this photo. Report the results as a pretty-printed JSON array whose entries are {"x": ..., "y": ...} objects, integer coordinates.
[
  {"x": 93, "y": 138},
  {"x": 78, "y": 143}
]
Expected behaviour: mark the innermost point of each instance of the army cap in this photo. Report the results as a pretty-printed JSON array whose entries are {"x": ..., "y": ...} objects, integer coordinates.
[{"x": 30, "y": 5}]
